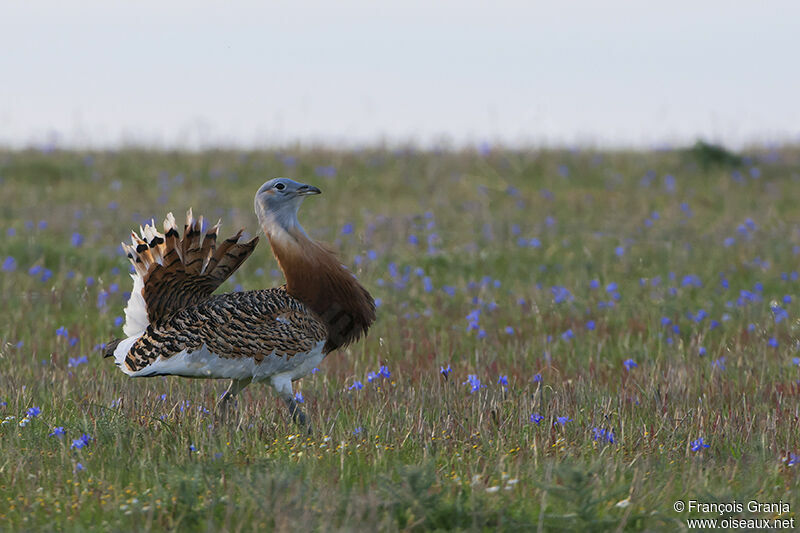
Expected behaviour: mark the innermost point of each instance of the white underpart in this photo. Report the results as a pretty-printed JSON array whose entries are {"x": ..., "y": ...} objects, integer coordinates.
[{"x": 281, "y": 370}]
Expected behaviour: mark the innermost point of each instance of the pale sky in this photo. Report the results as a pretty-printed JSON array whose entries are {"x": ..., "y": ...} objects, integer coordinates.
[{"x": 192, "y": 74}]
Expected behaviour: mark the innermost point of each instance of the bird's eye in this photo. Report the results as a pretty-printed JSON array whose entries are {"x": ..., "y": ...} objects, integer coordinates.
[{"x": 280, "y": 186}]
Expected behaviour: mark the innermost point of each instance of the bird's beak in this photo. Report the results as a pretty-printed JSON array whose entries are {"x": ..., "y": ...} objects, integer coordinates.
[{"x": 305, "y": 190}]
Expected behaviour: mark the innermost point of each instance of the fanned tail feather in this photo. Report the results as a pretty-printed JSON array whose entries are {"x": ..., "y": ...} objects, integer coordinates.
[{"x": 173, "y": 272}]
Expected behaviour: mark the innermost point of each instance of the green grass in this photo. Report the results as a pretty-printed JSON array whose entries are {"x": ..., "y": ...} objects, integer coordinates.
[{"x": 429, "y": 454}]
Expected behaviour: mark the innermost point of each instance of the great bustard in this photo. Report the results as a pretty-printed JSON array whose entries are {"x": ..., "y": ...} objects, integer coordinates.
[{"x": 174, "y": 326}]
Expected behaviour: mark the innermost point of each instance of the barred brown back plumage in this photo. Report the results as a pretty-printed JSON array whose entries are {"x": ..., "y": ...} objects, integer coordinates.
[{"x": 246, "y": 324}]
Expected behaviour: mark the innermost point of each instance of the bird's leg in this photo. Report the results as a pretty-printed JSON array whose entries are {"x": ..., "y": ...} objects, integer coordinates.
[
  {"x": 283, "y": 386},
  {"x": 233, "y": 389},
  {"x": 297, "y": 414}
]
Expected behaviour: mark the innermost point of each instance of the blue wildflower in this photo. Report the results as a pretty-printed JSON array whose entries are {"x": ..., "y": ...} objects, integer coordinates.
[
  {"x": 347, "y": 229},
  {"x": 57, "y": 432},
  {"x": 118, "y": 321},
  {"x": 77, "y": 361},
  {"x": 561, "y": 294},
  {"x": 563, "y": 420},
  {"x": 33, "y": 412},
  {"x": 698, "y": 445},
  {"x": 413, "y": 240},
  {"x": 371, "y": 377},
  {"x": 358, "y": 430},
  {"x": 593, "y": 284},
  {"x": 773, "y": 342},
  {"x": 383, "y": 371},
  {"x": 719, "y": 364},
  {"x": 537, "y": 378},
  {"x": 445, "y": 371},
  {"x": 357, "y": 385},
  {"x": 603, "y": 435},
  {"x": 536, "y": 418},
  {"x": 567, "y": 335},
  {"x": 427, "y": 284},
  {"x": 473, "y": 318},
  {"x": 77, "y": 239},
  {"x": 62, "y": 332},
  {"x": 629, "y": 364},
  {"x": 503, "y": 380},
  {"x": 473, "y": 382},
  {"x": 81, "y": 442},
  {"x": 192, "y": 448},
  {"x": 590, "y": 325},
  {"x": 10, "y": 264},
  {"x": 793, "y": 459},
  {"x": 298, "y": 397},
  {"x": 509, "y": 330},
  {"x": 702, "y": 351},
  {"x": 79, "y": 467}
]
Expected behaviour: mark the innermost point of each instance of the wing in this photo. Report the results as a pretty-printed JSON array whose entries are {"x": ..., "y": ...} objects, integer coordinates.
[{"x": 235, "y": 325}]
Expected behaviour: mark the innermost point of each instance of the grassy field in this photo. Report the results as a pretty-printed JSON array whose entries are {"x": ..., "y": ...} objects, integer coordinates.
[{"x": 596, "y": 315}]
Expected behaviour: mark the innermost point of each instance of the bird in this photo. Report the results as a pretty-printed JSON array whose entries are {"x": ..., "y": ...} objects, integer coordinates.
[{"x": 176, "y": 326}]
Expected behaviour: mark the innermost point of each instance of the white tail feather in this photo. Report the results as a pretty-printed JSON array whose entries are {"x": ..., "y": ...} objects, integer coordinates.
[
  {"x": 121, "y": 351},
  {"x": 136, "y": 320}
]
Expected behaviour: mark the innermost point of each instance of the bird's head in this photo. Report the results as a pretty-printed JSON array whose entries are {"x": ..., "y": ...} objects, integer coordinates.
[{"x": 278, "y": 200}]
